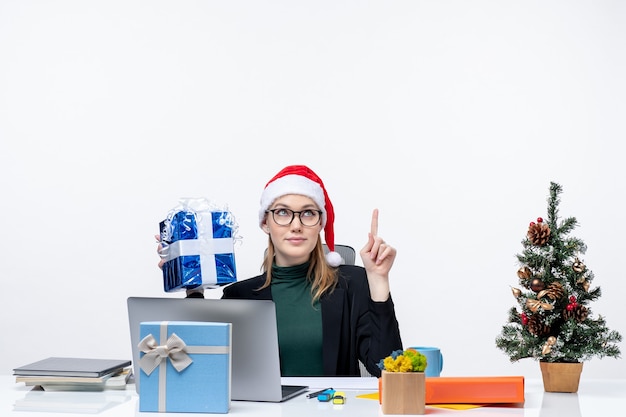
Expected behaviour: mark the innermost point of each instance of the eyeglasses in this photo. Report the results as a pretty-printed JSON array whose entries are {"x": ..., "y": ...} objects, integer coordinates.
[{"x": 284, "y": 216}]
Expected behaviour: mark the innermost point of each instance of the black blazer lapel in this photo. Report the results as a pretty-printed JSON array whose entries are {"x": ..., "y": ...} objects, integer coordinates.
[{"x": 332, "y": 322}]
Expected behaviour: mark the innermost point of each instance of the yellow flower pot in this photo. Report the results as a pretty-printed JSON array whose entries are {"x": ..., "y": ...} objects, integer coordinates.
[{"x": 403, "y": 392}]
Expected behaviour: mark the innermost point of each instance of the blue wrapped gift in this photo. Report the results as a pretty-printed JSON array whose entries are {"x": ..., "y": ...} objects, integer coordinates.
[
  {"x": 198, "y": 246},
  {"x": 185, "y": 367}
]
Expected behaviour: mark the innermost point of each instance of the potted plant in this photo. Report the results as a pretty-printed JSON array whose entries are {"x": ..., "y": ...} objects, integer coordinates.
[
  {"x": 553, "y": 322},
  {"x": 403, "y": 382}
]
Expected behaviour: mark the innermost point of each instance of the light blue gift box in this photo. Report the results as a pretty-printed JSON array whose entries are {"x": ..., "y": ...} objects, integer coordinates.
[{"x": 185, "y": 367}]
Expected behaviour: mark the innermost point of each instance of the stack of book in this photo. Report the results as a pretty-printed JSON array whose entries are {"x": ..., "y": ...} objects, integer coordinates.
[{"x": 75, "y": 374}]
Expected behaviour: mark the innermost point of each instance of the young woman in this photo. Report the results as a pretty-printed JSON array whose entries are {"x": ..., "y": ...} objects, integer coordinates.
[{"x": 329, "y": 316}]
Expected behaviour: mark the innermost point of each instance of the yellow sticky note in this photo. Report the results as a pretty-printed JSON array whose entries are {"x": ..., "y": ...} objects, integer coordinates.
[{"x": 372, "y": 396}]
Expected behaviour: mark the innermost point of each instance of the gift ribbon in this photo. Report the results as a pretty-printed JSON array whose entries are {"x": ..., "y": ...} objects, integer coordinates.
[
  {"x": 198, "y": 247},
  {"x": 206, "y": 249},
  {"x": 176, "y": 350}
]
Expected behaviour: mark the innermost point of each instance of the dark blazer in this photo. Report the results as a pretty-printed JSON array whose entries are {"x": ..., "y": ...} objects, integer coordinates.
[{"x": 353, "y": 326}]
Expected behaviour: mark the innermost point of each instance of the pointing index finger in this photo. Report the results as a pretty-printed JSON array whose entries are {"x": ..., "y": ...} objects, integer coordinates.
[{"x": 374, "y": 227}]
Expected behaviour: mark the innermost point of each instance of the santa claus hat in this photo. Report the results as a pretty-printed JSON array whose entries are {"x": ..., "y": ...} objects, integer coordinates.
[{"x": 301, "y": 180}]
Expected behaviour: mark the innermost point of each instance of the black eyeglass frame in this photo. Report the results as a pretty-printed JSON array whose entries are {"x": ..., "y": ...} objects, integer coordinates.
[{"x": 293, "y": 216}]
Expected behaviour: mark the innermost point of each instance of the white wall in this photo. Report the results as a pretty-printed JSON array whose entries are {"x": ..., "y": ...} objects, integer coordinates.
[{"x": 452, "y": 117}]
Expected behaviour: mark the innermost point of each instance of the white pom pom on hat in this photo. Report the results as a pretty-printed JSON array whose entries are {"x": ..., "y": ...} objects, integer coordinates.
[{"x": 299, "y": 179}]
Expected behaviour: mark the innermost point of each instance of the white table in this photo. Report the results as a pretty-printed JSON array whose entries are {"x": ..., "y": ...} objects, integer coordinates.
[{"x": 595, "y": 398}]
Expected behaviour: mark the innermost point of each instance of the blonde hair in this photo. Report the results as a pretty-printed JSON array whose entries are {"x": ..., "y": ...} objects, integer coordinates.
[{"x": 322, "y": 276}]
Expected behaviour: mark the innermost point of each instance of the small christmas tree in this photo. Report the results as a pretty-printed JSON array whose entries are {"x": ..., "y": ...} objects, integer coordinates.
[{"x": 554, "y": 322}]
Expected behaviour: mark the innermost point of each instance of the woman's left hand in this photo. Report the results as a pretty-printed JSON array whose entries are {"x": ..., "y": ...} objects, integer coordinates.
[{"x": 377, "y": 257}]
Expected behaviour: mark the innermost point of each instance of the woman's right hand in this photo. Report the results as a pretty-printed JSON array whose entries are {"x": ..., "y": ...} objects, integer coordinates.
[
  {"x": 159, "y": 248},
  {"x": 377, "y": 257}
]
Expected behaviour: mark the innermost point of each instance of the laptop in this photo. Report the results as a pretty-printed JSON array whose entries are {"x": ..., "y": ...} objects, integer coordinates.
[{"x": 255, "y": 360}]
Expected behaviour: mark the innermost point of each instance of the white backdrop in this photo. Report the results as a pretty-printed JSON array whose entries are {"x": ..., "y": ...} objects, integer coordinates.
[{"x": 451, "y": 117}]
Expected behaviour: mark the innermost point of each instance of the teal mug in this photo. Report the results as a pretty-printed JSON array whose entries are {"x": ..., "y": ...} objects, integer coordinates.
[{"x": 434, "y": 359}]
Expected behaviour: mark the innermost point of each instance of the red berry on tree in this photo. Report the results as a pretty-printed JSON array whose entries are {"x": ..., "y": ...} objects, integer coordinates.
[
  {"x": 572, "y": 299},
  {"x": 539, "y": 219},
  {"x": 532, "y": 224},
  {"x": 524, "y": 319}
]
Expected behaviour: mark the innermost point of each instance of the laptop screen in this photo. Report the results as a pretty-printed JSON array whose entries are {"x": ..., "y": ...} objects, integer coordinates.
[{"x": 255, "y": 359}]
